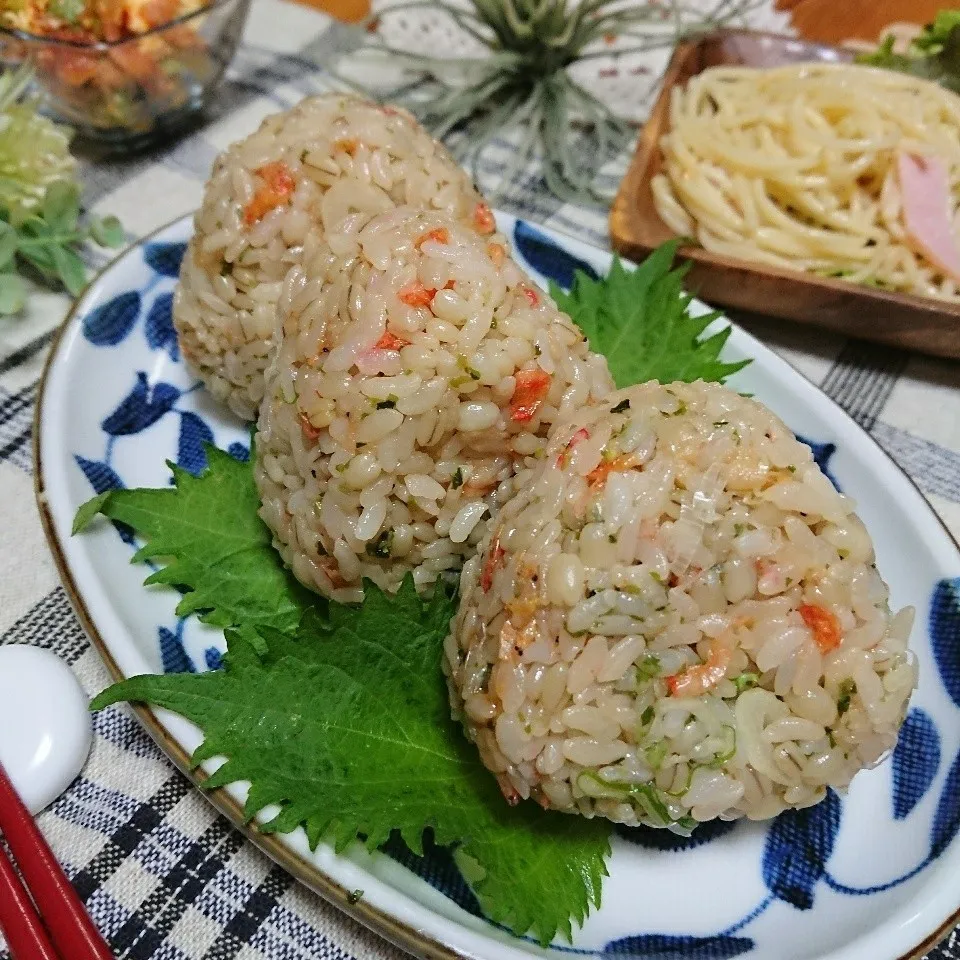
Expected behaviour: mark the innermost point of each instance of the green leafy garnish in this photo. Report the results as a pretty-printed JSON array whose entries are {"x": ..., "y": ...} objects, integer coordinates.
[
  {"x": 654, "y": 755},
  {"x": 640, "y": 321},
  {"x": 933, "y": 55},
  {"x": 213, "y": 546},
  {"x": 644, "y": 796},
  {"x": 646, "y": 718},
  {"x": 69, "y": 10},
  {"x": 340, "y": 714},
  {"x": 107, "y": 231},
  {"x": 648, "y": 668},
  {"x": 728, "y": 751},
  {"x": 34, "y": 152},
  {"x": 41, "y": 229},
  {"x": 845, "y": 691},
  {"x": 935, "y": 36},
  {"x": 382, "y": 546}
]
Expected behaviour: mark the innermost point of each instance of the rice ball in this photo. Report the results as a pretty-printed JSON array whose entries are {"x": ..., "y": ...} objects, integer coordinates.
[
  {"x": 327, "y": 165},
  {"x": 416, "y": 371},
  {"x": 677, "y": 617}
]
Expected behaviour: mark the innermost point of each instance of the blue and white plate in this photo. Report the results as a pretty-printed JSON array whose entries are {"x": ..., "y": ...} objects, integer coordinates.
[{"x": 873, "y": 875}]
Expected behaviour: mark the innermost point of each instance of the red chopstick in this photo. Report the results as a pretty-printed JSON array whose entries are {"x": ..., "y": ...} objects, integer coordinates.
[
  {"x": 70, "y": 928},
  {"x": 26, "y": 937}
]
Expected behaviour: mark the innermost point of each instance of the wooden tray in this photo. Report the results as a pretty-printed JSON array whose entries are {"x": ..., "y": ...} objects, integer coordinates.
[{"x": 897, "y": 319}]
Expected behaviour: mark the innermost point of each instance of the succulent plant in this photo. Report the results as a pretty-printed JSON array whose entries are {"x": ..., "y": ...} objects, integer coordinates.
[{"x": 522, "y": 78}]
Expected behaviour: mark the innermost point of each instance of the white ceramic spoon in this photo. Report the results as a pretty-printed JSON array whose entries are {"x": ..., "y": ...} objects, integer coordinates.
[
  {"x": 45, "y": 731},
  {"x": 45, "y": 736}
]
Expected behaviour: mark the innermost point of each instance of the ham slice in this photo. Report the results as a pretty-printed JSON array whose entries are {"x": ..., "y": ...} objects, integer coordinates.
[{"x": 925, "y": 190}]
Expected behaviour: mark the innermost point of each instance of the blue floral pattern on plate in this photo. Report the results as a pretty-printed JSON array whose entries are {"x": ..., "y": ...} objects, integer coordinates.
[{"x": 801, "y": 861}]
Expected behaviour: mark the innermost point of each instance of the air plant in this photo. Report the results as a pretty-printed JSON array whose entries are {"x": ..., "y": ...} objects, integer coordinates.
[{"x": 522, "y": 79}]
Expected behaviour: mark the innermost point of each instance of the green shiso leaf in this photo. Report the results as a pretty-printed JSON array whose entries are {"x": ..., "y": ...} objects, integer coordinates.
[
  {"x": 212, "y": 544},
  {"x": 640, "y": 321},
  {"x": 88, "y": 511},
  {"x": 340, "y": 714}
]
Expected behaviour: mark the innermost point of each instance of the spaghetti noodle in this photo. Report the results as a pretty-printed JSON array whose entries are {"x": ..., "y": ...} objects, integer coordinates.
[{"x": 801, "y": 167}]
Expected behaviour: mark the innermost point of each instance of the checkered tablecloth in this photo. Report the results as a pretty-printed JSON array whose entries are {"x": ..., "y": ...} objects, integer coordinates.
[{"x": 163, "y": 874}]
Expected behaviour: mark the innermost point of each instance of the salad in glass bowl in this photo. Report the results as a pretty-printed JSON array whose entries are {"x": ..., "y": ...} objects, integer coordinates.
[{"x": 123, "y": 72}]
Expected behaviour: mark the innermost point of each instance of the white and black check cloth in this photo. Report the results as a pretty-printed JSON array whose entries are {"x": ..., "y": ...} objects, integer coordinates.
[{"x": 163, "y": 875}]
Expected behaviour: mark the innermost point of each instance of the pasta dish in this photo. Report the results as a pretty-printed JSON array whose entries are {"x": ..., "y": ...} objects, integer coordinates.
[{"x": 846, "y": 171}]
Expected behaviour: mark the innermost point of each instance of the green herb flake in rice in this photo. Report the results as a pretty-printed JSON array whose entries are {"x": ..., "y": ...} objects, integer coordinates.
[
  {"x": 738, "y": 697},
  {"x": 405, "y": 428},
  {"x": 233, "y": 274}
]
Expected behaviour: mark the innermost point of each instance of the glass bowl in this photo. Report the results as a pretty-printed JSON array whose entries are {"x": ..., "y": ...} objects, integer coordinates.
[{"x": 131, "y": 92}]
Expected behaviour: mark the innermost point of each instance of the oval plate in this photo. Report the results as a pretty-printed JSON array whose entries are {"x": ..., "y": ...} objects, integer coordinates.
[{"x": 872, "y": 876}]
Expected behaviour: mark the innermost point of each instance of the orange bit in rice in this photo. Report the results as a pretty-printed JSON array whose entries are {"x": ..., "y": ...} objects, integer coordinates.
[
  {"x": 597, "y": 477},
  {"x": 332, "y": 569},
  {"x": 581, "y": 434},
  {"x": 523, "y": 611},
  {"x": 824, "y": 625},
  {"x": 440, "y": 235},
  {"x": 514, "y": 641},
  {"x": 531, "y": 390},
  {"x": 310, "y": 432},
  {"x": 494, "y": 558},
  {"x": 479, "y": 488},
  {"x": 278, "y": 185},
  {"x": 416, "y": 294},
  {"x": 695, "y": 681},
  {"x": 390, "y": 341},
  {"x": 497, "y": 253},
  {"x": 509, "y": 791},
  {"x": 347, "y": 144},
  {"x": 483, "y": 218},
  {"x": 532, "y": 296}
]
